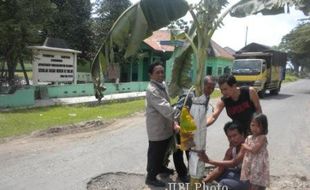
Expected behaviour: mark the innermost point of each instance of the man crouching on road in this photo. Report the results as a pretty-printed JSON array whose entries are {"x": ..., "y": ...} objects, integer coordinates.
[{"x": 227, "y": 172}]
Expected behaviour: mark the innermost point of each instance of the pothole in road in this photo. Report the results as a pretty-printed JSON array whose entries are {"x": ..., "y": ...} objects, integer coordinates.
[
  {"x": 128, "y": 181},
  {"x": 117, "y": 181},
  {"x": 290, "y": 182},
  {"x": 72, "y": 128},
  {"x": 131, "y": 181}
]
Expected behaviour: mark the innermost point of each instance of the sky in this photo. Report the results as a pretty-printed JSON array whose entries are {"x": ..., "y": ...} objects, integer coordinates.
[{"x": 266, "y": 30}]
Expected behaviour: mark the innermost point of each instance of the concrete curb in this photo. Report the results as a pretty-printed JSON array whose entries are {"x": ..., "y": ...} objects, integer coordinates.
[{"x": 89, "y": 99}]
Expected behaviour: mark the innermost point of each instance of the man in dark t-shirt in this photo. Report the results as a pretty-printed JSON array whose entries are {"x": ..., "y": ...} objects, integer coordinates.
[{"x": 240, "y": 102}]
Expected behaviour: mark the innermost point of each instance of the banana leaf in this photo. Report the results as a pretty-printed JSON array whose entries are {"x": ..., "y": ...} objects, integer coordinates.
[
  {"x": 130, "y": 29},
  {"x": 268, "y": 7},
  {"x": 182, "y": 64}
]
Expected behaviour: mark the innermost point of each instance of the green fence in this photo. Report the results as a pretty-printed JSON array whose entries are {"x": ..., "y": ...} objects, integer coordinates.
[
  {"x": 88, "y": 89},
  {"x": 26, "y": 96},
  {"x": 63, "y": 91},
  {"x": 21, "y": 98},
  {"x": 113, "y": 88}
]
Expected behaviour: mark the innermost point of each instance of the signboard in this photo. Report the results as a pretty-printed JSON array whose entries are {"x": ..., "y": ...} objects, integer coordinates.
[
  {"x": 53, "y": 66},
  {"x": 176, "y": 43}
]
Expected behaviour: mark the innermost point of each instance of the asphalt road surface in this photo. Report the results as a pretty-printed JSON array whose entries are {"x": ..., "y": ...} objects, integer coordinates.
[{"x": 68, "y": 162}]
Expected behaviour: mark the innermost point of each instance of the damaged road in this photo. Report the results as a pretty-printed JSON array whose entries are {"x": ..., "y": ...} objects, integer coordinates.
[{"x": 70, "y": 161}]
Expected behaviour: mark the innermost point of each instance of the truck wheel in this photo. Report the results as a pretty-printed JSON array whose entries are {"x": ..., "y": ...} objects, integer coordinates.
[
  {"x": 276, "y": 91},
  {"x": 262, "y": 93}
]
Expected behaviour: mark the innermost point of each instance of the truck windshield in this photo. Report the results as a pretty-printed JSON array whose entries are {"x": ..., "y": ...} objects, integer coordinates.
[{"x": 246, "y": 67}]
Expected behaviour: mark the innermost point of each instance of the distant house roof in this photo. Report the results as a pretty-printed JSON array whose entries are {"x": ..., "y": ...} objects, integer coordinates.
[
  {"x": 154, "y": 41},
  {"x": 55, "y": 44},
  {"x": 54, "y": 49},
  {"x": 220, "y": 52},
  {"x": 230, "y": 50},
  {"x": 254, "y": 47},
  {"x": 164, "y": 35}
]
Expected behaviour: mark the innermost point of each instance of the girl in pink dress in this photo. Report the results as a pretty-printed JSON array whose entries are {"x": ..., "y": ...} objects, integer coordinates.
[{"x": 255, "y": 166}]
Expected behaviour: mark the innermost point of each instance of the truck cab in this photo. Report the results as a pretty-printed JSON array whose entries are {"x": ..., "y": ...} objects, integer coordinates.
[
  {"x": 264, "y": 70},
  {"x": 251, "y": 72}
]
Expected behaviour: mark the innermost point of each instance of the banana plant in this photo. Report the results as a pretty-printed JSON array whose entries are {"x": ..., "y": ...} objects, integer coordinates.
[
  {"x": 207, "y": 18},
  {"x": 268, "y": 7},
  {"x": 138, "y": 21},
  {"x": 130, "y": 29}
]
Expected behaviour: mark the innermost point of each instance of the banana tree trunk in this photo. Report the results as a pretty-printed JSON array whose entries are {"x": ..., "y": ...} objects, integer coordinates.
[
  {"x": 200, "y": 73},
  {"x": 201, "y": 58},
  {"x": 198, "y": 111}
]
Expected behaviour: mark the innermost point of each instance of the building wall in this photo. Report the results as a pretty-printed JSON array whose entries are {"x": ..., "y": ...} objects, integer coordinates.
[
  {"x": 84, "y": 77},
  {"x": 214, "y": 66},
  {"x": 137, "y": 71},
  {"x": 218, "y": 66}
]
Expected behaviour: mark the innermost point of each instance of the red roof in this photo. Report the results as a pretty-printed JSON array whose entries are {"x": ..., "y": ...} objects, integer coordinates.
[
  {"x": 160, "y": 35},
  {"x": 220, "y": 52},
  {"x": 153, "y": 41}
]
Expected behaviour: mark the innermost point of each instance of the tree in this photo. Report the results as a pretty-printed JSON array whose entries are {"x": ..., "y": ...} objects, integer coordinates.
[
  {"x": 20, "y": 23},
  {"x": 71, "y": 21},
  {"x": 107, "y": 12},
  {"x": 297, "y": 44}
]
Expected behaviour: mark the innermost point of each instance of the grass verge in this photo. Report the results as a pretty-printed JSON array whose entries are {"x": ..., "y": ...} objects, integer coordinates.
[
  {"x": 290, "y": 78},
  {"x": 19, "y": 122},
  {"x": 24, "y": 121}
]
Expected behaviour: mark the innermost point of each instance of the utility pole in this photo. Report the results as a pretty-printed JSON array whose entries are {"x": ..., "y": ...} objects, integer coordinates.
[{"x": 246, "y": 35}]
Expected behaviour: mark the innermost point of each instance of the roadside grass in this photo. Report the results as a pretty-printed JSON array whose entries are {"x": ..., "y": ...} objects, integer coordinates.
[
  {"x": 25, "y": 121},
  {"x": 289, "y": 77},
  {"x": 216, "y": 93}
]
